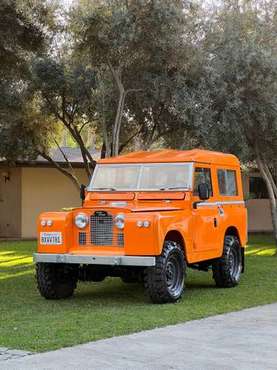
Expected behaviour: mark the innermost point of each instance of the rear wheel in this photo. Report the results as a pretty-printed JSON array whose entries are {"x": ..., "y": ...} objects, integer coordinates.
[
  {"x": 56, "y": 281},
  {"x": 164, "y": 282},
  {"x": 227, "y": 269}
]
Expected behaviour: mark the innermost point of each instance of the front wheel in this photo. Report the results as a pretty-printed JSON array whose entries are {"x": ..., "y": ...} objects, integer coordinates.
[
  {"x": 227, "y": 269},
  {"x": 164, "y": 282},
  {"x": 56, "y": 281}
]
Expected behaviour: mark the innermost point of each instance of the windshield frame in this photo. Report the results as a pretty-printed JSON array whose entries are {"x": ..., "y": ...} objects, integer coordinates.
[{"x": 141, "y": 165}]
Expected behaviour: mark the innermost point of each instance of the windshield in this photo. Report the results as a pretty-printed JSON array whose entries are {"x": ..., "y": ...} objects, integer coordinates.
[{"x": 159, "y": 176}]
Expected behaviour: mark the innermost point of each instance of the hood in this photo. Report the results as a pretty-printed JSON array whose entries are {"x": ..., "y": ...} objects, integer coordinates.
[
  {"x": 137, "y": 202},
  {"x": 122, "y": 206}
]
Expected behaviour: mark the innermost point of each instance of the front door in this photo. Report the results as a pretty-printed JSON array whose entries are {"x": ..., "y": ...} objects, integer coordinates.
[{"x": 206, "y": 236}]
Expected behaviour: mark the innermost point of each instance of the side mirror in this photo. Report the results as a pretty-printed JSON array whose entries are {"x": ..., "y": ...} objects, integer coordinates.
[
  {"x": 203, "y": 191},
  {"x": 82, "y": 192}
]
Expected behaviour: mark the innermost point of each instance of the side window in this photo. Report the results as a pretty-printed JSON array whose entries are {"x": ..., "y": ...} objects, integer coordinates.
[
  {"x": 202, "y": 175},
  {"x": 227, "y": 183}
]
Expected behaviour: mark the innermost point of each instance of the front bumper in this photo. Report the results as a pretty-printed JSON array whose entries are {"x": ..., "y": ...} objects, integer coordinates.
[{"x": 95, "y": 260}]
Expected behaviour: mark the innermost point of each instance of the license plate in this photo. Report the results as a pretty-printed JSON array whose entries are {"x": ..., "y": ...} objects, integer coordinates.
[{"x": 51, "y": 238}]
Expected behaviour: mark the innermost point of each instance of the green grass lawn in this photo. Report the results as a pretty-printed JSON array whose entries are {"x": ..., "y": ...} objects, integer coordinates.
[{"x": 102, "y": 310}]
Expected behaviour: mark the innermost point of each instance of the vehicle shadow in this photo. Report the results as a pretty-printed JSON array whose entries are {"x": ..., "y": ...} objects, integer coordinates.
[
  {"x": 113, "y": 290},
  {"x": 198, "y": 286}
]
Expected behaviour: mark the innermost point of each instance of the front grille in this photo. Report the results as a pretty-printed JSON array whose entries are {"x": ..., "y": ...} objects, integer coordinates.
[{"x": 102, "y": 231}]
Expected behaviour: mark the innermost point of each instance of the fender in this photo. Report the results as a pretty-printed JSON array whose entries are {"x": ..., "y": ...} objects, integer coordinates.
[{"x": 179, "y": 223}]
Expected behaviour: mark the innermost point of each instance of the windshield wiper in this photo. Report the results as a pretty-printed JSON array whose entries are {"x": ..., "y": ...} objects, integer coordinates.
[
  {"x": 173, "y": 187},
  {"x": 110, "y": 189}
]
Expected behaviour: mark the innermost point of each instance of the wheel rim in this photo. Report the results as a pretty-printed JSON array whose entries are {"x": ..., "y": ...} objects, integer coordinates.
[
  {"x": 234, "y": 263},
  {"x": 174, "y": 275}
]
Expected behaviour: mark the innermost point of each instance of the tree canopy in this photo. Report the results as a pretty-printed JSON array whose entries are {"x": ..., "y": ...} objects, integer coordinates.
[
  {"x": 63, "y": 90},
  {"x": 141, "y": 49},
  {"x": 25, "y": 31},
  {"x": 140, "y": 74},
  {"x": 236, "y": 106}
]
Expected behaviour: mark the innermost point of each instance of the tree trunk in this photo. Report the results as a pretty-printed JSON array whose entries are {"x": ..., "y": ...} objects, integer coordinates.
[
  {"x": 103, "y": 150},
  {"x": 117, "y": 125},
  {"x": 115, "y": 147},
  {"x": 87, "y": 158},
  {"x": 106, "y": 147},
  {"x": 273, "y": 202},
  {"x": 267, "y": 170},
  {"x": 119, "y": 112}
]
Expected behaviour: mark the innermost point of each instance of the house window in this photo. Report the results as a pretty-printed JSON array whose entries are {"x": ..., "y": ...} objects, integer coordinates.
[
  {"x": 257, "y": 188},
  {"x": 227, "y": 182},
  {"x": 202, "y": 175}
]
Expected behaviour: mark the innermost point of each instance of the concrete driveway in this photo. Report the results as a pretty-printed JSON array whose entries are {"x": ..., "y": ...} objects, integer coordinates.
[{"x": 240, "y": 340}]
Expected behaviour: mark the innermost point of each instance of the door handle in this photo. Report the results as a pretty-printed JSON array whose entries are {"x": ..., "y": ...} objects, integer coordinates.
[
  {"x": 195, "y": 204},
  {"x": 215, "y": 222}
]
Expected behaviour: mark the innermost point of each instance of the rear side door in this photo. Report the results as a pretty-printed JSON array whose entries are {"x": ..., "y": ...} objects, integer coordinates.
[
  {"x": 230, "y": 198},
  {"x": 205, "y": 215}
]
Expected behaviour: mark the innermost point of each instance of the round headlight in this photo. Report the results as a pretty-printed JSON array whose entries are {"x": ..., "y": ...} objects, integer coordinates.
[
  {"x": 119, "y": 221},
  {"x": 139, "y": 223},
  {"x": 81, "y": 220},
  {"x": 49, "y": 223},
  {"x": 43, "y": 222},
  {"x": 146, "y": 223}
]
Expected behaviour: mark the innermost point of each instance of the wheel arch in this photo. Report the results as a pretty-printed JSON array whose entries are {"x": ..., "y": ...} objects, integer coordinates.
[
  {"x": 233, "y": 230},
  {"x": 177, "y": 237}
]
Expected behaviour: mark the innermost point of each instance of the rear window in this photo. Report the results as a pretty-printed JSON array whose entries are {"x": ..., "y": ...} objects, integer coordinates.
[{"x": 227, "y": 182}]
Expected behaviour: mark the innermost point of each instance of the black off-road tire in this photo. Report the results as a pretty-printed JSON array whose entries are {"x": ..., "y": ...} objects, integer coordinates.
[
  {"x": 164, "y": 283},
  {"x": 56, "y": 281},
  {"x": 227, "y": 269}
]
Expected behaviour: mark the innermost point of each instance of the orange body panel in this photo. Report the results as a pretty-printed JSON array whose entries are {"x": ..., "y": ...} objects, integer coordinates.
[
  {"x": 169, "y": 156},
  {"x": 202, "y": 227},
  {"x": 63, "y": 224}
]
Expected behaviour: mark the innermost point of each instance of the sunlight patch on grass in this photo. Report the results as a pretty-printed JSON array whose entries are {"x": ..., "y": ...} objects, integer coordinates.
[
  {"x": 261, "y": 245},
  {"x": 6, "y": 253},
  {"x": 10, "y": 275},
  {"x": 260, "y": 251},
  {"x": 16, "y": 261}
]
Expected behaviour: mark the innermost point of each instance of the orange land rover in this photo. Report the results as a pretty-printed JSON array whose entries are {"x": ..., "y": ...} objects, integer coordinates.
[{"x": 148, "y": 216}]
